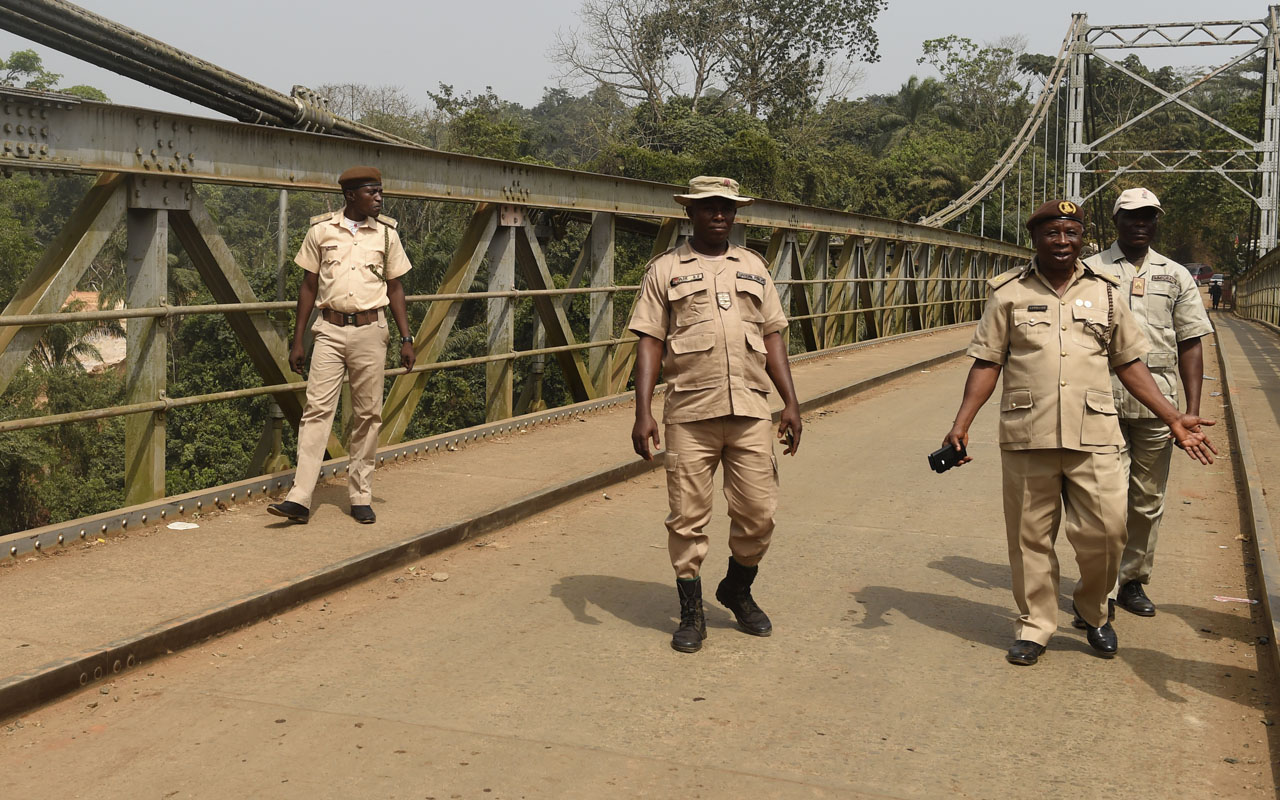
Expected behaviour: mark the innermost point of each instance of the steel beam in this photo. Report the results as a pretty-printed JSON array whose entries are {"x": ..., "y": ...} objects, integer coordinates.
[
  {"x": 433, "y": 334},
  {"x": 147, "y": 270},
  {"x": 600, "y": 248},
  {"x": 61, "y": 133},
  {"x": 59, "y": 270},
  {"x": 555, "y": 325},
  {"x": 499, "y": 376}
]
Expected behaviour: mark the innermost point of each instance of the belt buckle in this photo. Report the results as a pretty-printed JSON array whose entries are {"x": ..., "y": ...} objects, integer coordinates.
[{"x": 349, "y": 319}]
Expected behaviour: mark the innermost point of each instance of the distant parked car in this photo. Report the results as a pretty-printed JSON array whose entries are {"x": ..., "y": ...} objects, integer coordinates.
[
  {"x": 1200, "y": 272},
  {"x": 1217, "y": 279}
]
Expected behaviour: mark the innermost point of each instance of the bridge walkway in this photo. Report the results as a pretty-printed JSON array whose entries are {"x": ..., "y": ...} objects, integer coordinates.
[{"x": 540, "y": 667}]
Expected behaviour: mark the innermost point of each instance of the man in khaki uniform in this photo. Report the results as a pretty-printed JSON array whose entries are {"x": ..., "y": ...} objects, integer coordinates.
[
  {"x": 709, "y": 314},
  {"x": 352, "y": 261},
  {"x": 1053, "y": 326},
  {"x": 1166, "y": 303}
]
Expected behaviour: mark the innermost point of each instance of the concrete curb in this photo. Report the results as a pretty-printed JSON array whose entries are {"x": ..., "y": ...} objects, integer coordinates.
[
  {"x": 1264, "y": 543},
  {"x": 26, "y": 690}
]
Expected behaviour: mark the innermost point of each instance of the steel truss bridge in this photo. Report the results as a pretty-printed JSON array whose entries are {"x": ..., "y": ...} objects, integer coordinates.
[{"x": 844, "y": 277}]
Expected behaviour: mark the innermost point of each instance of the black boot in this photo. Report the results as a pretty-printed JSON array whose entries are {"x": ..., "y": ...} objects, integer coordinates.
[
  {"x": 693, "y": 622},
  {"x": 734, "y": 593}
]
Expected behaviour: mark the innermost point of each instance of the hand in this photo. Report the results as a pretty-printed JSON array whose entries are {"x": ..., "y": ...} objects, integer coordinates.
[
  {"x": 408, "y": 356},
  {"x": 1186, "y": 434},
  {"x": 297, "y": 358},
  {"x": 958, "y": 436},
  {"x": 646, "y": 428},
  {"x": 790, "y": 421}
]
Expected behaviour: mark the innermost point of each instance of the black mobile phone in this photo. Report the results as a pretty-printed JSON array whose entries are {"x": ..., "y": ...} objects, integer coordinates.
[
  {"x": 945, "y": 458},
  {"x": 789, "y": 438}
]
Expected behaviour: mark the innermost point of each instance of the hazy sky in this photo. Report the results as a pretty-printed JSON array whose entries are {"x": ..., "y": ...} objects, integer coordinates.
[{"x": 417, "y": 45}]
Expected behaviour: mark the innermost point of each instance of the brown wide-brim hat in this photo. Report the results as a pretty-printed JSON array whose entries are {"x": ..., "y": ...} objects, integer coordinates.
[
  {"x": 705, "y": 186},
  {"x": 356, "y": 177},
  {"x": 1055, "y": 209}
]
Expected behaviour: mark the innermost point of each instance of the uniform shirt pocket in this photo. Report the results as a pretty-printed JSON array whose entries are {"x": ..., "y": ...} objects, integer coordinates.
[
  {"x": 750, "y": 296},
  {"x": 755, "y": 375},
  {"x": 690, "y": 303},
  {"x": 1016, "y": 407},
  {"x": 1100, "y": 425},
  {"x": 1160, "y": 299},
  {"x": 1031, "y": 327},
  {"x": 1164, "y": 367},
  {"x": 1087, "y": 325},
  {"x": 693, "y": 366}
]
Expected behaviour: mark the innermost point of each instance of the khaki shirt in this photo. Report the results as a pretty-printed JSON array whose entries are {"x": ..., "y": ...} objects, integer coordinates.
[
  {"x": 713, "y": 315},
  {"x": 1057, "y": 381},
  {"x": 1169, "y": 309},
  {"x": 353, "y": 267}
]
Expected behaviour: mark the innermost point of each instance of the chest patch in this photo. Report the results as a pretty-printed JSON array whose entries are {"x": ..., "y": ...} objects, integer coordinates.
[
  {"x": 1037, "y": 308},
  {"x": 751, "y": 276},
  {"x": 724, "y": 300},
  {"x": 1164, "y": 278},
  {"x": 679, "y": 279}
]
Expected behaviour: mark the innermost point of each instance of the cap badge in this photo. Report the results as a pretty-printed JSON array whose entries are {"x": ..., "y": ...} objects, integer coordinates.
[{"x": 1067, "y": 207}]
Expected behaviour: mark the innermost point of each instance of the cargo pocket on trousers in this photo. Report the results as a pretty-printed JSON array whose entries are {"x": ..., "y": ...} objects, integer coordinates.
[
  {"x": 1100, "y": 425},
  {"x": 672, "y": 463},
  {"x": 1015, "y": 416}
]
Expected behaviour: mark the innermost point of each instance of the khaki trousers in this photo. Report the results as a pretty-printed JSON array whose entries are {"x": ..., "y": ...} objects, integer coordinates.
[
  {"x": 1038, "y": 486},
  {"x": 694, "y": 450},
  {"x": 1147, "y": 461},
  {"x": 359, "y": 354}
]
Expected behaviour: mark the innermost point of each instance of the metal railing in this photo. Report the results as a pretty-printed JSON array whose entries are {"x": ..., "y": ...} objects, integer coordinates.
[
  {"x": 842, "y": 277},
  {"x": 1257, "y": 292}
]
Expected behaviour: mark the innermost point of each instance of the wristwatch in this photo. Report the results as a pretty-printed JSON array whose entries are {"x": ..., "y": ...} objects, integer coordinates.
[{"x": 406, "y": 340}]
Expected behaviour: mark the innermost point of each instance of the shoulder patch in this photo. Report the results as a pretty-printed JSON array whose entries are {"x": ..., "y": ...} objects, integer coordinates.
[
  {"x": 388, "y": 221},
  {"x": 1005, "y": 277},
  {"x": 320, "y": 218}
]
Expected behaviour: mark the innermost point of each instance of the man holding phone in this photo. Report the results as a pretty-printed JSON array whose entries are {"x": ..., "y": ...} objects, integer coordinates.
[
  {"x": 709, "y": 315},
  {"x": 1053, "y": 327}
]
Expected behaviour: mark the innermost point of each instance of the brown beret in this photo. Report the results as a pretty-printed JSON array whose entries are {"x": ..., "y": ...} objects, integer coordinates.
[
  {"x": 359, "y": 176},
  {"x": 1055, "y": 209}
]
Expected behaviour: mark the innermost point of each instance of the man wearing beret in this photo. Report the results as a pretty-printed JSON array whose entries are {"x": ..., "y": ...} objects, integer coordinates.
[
  {"x": 709, "y": 315},
  {"x": 352, "y": 261},
  {"x": 1166, "y": 304},
  {"x": 1053, "y": 327}
]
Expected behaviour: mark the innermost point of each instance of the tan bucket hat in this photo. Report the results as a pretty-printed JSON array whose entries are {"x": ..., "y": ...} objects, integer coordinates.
[{"x": 708, "y": 186}]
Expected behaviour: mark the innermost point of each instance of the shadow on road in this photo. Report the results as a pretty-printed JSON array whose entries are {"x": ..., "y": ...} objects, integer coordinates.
[
  {"x": 984, "y": 623},
  {"x": 642, "y": 603},
  {"x": 977, "y": 573}
]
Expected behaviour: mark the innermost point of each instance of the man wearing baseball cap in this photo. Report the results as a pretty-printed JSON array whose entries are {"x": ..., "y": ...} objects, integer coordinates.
[
  {"x": 1166, "y": 304},
  {"x": 1052, "y": 328},
  {"x": 352, "y": 261},
  {"x": 709, "y": 315}
]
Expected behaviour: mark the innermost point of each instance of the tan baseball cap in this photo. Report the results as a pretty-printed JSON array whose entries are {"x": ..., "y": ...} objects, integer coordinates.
[
  {"x": 708, "y": 186},
  {"x": 1131, "y": 199}
]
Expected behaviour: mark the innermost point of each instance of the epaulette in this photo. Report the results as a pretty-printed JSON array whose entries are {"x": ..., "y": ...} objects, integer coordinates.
[
  {"x": 1111, "y": 279},
  {"x": 1005, "y": 277},
  {"x": 320, "y": 218},
  {"x": 388, "y": 221}
]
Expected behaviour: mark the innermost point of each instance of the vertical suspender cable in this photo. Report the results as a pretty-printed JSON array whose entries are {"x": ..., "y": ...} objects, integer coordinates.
[
  {"x": 1002, "y": 210},
  {"x": 1018, "y": 226}
]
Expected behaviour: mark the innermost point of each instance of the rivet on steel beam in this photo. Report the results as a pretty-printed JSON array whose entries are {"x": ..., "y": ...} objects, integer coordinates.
[
  {"x": 37, "y": 544},
  {"x": 59, "y": 538},
  {"x": 13, "y": 550},
  {"x": 137, "y": 151},
  {"x": 144, "y": 518},
  {"x": 84, "y": 678},
  {"x": 264, "y": 486},
  {"x": 164, "y": 512},
  {"x": 233, "y": 497},
  {"x": 124, "y": 522},
  {"x": 130, "y": 661},
  {"x": 217, "y": 500},
  {"x": 116, "y": 665},
  {"x": 82, "y": 533},
  {"x": 247, "y": 493},
  {"x": 103, "y": 529},
  {"x": 199, "y": 504},
  {"x": 97, "y": 673},
  {"x": 182, "y": 509}
]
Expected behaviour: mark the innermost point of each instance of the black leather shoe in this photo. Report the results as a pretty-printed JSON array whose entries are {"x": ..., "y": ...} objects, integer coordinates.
[
  {"x": 734, "y": 593},
  {"x": 1102, "y": 640},
  {"x": 294, "y": 512},
  {"x": 1024, "y": 653},
  {"x": 1133, "y": 598},
  {"x": 363, "y": 514}
]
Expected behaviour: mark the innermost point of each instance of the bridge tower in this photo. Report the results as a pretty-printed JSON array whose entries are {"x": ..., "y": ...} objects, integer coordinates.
[{"x": 1252, "y": 165}]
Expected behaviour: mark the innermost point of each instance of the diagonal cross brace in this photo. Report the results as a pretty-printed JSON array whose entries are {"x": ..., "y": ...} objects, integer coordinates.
[
  {"x": 60, "y": 269},
  {"x": 533, "y": 266}
]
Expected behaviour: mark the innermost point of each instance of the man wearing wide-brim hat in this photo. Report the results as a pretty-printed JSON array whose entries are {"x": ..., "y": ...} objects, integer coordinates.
[
  {"x": 709, "y": 316},
  {"x": 1166, "y": 303},
  {"x": 352, "y": 261},
  {"x": 1053, "y": 327}
]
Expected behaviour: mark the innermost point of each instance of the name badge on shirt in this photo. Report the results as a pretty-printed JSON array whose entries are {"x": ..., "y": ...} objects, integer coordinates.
[
  {"x": 750, "y": 276},
  {"x": 1139, "y": 287},
  {"x": 679, "y": 279},
  {"x": 724, "y": 300}
]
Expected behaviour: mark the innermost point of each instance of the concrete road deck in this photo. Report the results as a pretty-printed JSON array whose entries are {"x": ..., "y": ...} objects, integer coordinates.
[{"x": 540, "y": 667}]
